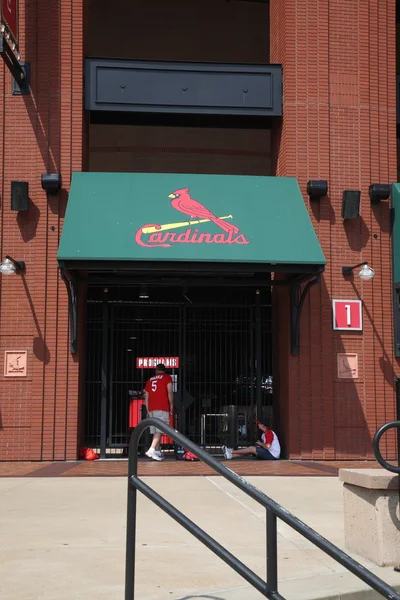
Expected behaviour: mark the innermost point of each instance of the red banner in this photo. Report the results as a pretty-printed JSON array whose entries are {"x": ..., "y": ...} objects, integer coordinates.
[
  {"x": 9, "y": 16},
  {"x": 150, "y": 362}
]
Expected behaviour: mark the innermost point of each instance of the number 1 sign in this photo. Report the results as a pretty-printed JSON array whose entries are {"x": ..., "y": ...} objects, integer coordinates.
[{"x": 347, "y": 314}]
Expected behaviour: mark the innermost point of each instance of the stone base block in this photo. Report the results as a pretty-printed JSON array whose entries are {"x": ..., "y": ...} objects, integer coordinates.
[{"x": 371, "y": 515}]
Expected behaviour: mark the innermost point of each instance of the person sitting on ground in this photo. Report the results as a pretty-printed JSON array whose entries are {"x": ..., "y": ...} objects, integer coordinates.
[{"x": 267, "y": 449}]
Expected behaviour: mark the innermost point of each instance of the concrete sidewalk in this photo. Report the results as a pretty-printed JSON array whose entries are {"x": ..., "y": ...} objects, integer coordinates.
[{"x": 64, "y": 539}]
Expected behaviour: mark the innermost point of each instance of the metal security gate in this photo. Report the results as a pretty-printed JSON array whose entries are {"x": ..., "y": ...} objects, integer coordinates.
[{"x": 224, "y": 352}]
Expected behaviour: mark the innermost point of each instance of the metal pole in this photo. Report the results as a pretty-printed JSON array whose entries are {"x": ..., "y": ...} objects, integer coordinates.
[
  {"x": 258, "y": 355},
  {"x": 104, "y": 378},
  {"x": 272, "y": 553},
  {"x": 131, "y": 522},
  {"x": 398, "y": 419}
]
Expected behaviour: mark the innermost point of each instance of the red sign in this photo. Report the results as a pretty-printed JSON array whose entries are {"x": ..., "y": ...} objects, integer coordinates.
[
  {"x": 347, "y": 314},
  {"x": 161, "y": 236},
  {"x": 150, "y": 362},
  {"x": 9, "y": 16}
]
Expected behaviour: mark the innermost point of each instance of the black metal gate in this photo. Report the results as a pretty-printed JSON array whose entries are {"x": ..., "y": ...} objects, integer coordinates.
[{"x": 225, "y": 359}]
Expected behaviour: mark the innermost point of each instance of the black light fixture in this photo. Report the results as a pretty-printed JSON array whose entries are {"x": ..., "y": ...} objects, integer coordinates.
[
  {"x": 351, "y": 204},
  {"x": 365, "y": 273},
  {"x": 9, "y": 266},
  {"x": 144, "y": 293},
  {"x": 19, "y": 195},
  {"x": 378, "y": 192},
  {"x": 317, "y": 189},
  {"x": 51, "y": 183}
]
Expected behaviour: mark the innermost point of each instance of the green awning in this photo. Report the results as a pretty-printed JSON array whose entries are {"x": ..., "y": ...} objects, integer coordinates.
[{"x": 185, "y": 218}]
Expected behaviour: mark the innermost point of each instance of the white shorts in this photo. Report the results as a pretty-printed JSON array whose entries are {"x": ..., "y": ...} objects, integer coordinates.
[{"x": 158, "y": 414}]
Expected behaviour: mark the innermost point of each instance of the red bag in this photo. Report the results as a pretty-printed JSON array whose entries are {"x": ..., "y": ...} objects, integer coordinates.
[
  {"x": 88, "y": 454},
  {"x": 190, "y": 456}
]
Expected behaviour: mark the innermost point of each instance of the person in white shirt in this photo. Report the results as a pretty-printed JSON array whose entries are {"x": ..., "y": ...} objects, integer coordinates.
[{"x": 267, "y": 449}]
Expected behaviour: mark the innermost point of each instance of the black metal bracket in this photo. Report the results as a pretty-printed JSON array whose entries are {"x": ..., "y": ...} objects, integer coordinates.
[
  {"x": 19, "y": 72},
  {"x": 70, "y": 283},
  {"x": 396, "y": 318},
  {"x": 21, "y": 88},
  {"x": 297, "y": 298}
]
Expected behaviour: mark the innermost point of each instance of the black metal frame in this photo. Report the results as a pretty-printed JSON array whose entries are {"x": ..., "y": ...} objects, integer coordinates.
[
  {"x": 297, "y": 299},
  {"x": 19, "y": 72},
  {"x": 255, "y": 324},
  {"x": 245, "y": 90},
  {"x": 70, "y": 281},
  {"x": 180, "y": 274},
  {"x": 175, "y": 267},
  {"x": 396, "y": 318},
  {"x": 268, "y": 588}
]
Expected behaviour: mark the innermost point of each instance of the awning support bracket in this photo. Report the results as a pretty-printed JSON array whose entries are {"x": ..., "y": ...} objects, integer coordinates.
[
  {"x": 20, "y": 73},
  {"x": 70, "y": 283},
  {"x": 297, "y": 298}
]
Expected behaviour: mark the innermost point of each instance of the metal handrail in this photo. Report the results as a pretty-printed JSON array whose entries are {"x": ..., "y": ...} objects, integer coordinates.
[
  {"x": 377, "y": 452},
  {"x": 268, "y": 588}
]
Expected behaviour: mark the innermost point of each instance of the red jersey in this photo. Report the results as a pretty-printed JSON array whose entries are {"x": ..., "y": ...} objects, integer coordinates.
[{"x": 156, "y": 387}]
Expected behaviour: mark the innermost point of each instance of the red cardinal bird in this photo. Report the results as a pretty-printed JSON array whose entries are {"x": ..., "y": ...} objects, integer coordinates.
[{"x": 185, "y": 204}]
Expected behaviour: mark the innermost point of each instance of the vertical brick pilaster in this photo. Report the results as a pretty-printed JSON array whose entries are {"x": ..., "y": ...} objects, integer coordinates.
[
  {"x": 40, "y": 133},
  {"x": 339, "y": 124}
]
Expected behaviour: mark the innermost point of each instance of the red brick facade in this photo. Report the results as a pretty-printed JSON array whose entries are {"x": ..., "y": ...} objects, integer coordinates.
[
  {"x": 40, "y": 133},
  {"x": 339, "y": 124}
]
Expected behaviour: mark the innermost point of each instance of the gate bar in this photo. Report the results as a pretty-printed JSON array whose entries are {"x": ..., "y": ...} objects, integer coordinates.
[{"x": 104, "y": 378}]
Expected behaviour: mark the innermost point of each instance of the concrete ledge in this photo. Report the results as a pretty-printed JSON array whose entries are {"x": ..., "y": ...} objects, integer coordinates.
[{"x": 371, "y": 479}]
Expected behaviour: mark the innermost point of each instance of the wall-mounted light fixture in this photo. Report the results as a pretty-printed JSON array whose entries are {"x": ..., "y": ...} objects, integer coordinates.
[
  {"x": 9, "y": 266},
  {"x": 365, "y": 273},
  {"x": 351, "y": 204},
  {"x": 378, "y": 192},
  {"x": 19, "y": 195},
  {"x": 51, "y": 183},
  {"x": 317, "y": 189},
  {"x": 143, "y": 293}
]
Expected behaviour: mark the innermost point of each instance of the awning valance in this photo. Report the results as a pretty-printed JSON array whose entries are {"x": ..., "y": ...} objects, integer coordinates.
[{"x": 125, "y": 217}]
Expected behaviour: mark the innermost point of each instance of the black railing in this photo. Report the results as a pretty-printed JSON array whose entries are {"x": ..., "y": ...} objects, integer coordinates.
[
  {"x": 268, "y": 588},
  {"x": 377, "y": 451}
]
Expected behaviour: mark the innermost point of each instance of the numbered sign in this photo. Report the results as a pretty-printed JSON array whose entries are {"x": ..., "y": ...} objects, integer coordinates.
[{"x": 347, "y": 314}]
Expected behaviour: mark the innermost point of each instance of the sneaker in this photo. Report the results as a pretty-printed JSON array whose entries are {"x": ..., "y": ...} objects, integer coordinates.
[
  {"x": 160, "y": 454},
  {"x": 227, "y": 452},
  {"x": 153, "y": 454}
]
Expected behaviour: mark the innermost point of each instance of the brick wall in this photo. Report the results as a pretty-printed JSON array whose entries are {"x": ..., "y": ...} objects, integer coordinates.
[
  {"x": 40, "y": 133},
  {"x": 339, "y": 124}
]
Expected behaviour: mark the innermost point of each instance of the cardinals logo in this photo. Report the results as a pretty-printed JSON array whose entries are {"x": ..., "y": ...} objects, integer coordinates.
[{"x": 161, "y": 236}]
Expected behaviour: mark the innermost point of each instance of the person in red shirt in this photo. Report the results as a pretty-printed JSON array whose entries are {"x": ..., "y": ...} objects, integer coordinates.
[{"x": 159, "y": 398}]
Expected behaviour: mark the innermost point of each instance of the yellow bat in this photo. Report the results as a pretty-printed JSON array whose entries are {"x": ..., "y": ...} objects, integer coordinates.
[{"x": 179, "y": 225}]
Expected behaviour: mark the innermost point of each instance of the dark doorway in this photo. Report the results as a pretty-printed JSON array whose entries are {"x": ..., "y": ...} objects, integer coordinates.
[{"x": 222, "y": 338}]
